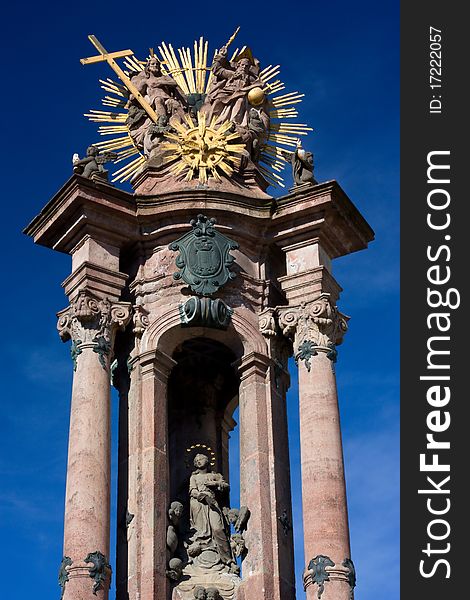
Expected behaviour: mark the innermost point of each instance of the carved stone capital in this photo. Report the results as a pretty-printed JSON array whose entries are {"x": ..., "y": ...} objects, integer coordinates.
[
  {"x": 313, "y": 327},
  {"x": 92, "y": 322},
  {"x": 279, "y": 348}
]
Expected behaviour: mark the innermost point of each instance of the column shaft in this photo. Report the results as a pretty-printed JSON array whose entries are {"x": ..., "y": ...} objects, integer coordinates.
[
  {"x": 325, "y": 518},
  {"x": 87, "y": 498},
  {"x": 154, "y": 481},
  {"x": 264, "y": 484}
]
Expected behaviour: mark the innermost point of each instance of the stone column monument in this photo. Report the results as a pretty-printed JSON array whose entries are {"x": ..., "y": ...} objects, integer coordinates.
[{"x": 188, "y": 293}]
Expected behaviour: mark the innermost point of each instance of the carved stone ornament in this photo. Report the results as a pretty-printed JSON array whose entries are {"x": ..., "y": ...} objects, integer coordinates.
[
  {"x": 348, "y": 563},
  {"x": 141, "y": 320},
  {"x": 91, "y": 322},
  {"x": 99, "y": 571},
  {"x": 63, "y": 573},
  {"x": 313, "y": 327},
  {"x": 204, "y": 257},
  {"x": 285, "y": 522},
  {"x": 267, "y": 323},
  {"x": 205, "y": 312},
  {"x": 317, "y": 573}
]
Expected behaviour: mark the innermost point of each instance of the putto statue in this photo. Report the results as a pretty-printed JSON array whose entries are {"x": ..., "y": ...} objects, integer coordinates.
[
  {"x": 221, "y": 124},
  {"x": 302, "y": 166},
  {"x": 93, "y": 164}
]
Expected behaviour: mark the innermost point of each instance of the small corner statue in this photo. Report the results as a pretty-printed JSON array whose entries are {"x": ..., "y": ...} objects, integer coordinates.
[
  {"x": 92, "y": 166},
  {"x": 302, "y": 165}
]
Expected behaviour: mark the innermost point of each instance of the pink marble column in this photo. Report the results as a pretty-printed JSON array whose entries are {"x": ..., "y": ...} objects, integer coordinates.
[
  {"x": 265, "y": 482},
  {"x": 317, "y": 328},
  {"x": 150, "y": 484},
  {"x": 89, "y": 323}
]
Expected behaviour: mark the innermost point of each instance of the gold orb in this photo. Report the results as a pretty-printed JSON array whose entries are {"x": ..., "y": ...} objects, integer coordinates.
[{"x": 256, "y": 96}]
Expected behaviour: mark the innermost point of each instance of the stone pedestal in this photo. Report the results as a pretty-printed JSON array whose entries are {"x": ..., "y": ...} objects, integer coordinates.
[{"x": 280, "y": 296}]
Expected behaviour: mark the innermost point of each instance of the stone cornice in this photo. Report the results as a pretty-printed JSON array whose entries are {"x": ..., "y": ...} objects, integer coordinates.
[
  {"x": 321, "y": 213},
  {"x": 83, "y": 206}
]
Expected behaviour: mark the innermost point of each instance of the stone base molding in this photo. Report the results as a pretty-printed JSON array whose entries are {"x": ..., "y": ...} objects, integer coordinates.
[
  {"x": 323, "y": 572},
  {"x": 92, "y": 573}
]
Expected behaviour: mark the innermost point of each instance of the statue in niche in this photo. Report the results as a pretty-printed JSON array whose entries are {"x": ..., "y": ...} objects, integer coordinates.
[
  {"x": 200, "y": 593},
  {"x": 227, "y": 98},
  {"x": 238, "y": 517},
  {"x": 210, "y": 593},
  {"x": 207, "y": 521},
  {"x": 238, "y": 545},
  {"x": 175, "y": 513},
  {"x": 175, "y": 569},
  {"x": 93, "y": 164}
]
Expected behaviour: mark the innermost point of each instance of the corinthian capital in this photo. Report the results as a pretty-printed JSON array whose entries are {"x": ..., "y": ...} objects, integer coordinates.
[
  {"x": 92, "y": 322},
  {"x": 313, "y": 327}
]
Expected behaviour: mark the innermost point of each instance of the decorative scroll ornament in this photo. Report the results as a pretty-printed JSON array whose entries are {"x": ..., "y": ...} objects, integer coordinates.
[
  {"x": 267, "y": 323},
  {"x": 205, "y": 312},
  {"x": 278, "y": 347},
  {"x": 348, "y": 563},
  {"x": 317, "y": 573},
  {"x": 140, "y": 319},
  {"x": 285, "y": 522},
  {"x": 204, "y": 257},
  {"x": 100, "y": 571},
  {"x": 313, "y": 327},
  {"x": 64, "y": 573},
  {"x": 91, "y": 323},
  {"x": 205, "y": 119}
]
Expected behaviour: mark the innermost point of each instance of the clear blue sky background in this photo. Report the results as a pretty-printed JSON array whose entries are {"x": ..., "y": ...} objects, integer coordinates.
[{"x": 344, "y": 56}]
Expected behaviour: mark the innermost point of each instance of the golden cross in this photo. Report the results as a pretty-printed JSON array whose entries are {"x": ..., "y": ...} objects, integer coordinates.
[{"x": 109, "y": 58}]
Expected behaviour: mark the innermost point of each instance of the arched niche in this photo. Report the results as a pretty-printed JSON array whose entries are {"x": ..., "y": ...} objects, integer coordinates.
[{"x": 202, "y": 395}]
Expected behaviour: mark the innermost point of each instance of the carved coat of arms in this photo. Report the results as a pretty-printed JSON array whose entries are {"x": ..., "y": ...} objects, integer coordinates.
[{"x": 204, "y": 260}]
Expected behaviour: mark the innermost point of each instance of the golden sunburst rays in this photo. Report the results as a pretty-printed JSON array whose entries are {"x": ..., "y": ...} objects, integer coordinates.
[
  {"x": 203, "y": 150},
  {"x": 113, "y": 123},
  {"x": 190, "y": 70},
  {"x": 281, "y": 133},
  {"x": 188, "y": 67}
]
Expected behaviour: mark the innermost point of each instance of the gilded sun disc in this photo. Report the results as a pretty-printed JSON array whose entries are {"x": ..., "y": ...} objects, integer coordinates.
[{"x": 203, "y": 149}]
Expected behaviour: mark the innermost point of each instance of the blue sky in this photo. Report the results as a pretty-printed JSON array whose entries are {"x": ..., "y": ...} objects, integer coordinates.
[{"x": 344, "y": 57}]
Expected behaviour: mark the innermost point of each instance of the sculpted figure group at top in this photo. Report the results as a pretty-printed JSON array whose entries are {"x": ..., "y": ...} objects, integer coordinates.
[{"x": 234, "y": 95}]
